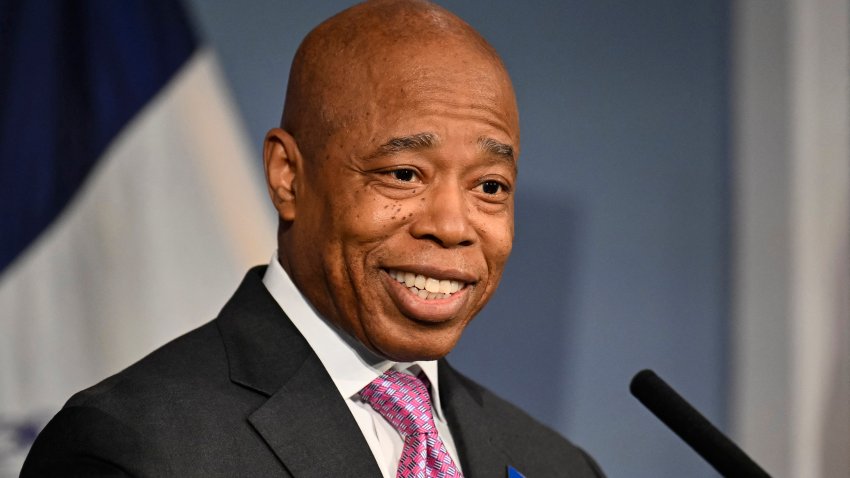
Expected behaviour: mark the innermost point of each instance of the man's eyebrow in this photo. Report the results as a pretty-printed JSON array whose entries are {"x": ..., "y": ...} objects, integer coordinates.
[
  {"x": 497, "y": 148},
  {"x": 428, "y": 140},
  {"x": 407, "y": 143}
]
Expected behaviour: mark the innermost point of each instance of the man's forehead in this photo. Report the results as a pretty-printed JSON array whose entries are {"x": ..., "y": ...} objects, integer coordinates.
[{"x": 377, "y": 59}]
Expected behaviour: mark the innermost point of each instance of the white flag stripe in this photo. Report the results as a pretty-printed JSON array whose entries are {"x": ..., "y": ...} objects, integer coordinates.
[{"x": 158, "y": 238}]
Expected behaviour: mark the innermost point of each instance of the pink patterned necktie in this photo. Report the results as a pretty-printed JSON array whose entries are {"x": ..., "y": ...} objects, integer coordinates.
[{"x": 403, "y": 400}]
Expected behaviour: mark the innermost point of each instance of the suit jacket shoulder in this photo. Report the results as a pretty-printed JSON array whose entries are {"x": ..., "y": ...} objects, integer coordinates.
[
  {"x": 243, "y": 395},
  {"x": 174, "y": 413}
]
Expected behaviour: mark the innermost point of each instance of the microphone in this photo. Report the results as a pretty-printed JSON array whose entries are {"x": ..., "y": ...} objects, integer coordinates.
[{"x": 715, "y": 447}]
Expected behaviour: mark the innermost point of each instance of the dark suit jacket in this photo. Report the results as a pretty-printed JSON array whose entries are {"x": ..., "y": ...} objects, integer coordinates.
[{"x": 245, "y": 395}]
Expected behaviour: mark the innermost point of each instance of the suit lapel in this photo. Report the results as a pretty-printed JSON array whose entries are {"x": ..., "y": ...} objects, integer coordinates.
[
  {"x": 304, "y": 421},
  {"x": 311, "y": 429},
  {"x": 479, "y": 447}
]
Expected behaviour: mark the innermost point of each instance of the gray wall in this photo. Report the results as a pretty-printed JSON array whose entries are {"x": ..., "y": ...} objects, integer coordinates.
[{"x": 621, "y": 255}]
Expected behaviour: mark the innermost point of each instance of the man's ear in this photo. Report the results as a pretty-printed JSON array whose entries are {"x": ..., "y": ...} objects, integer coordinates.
[{"x": 283, "y": 164}]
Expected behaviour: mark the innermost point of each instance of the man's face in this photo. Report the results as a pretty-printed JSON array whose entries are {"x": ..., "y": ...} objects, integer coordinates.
[{"x": 404, "y": 217}]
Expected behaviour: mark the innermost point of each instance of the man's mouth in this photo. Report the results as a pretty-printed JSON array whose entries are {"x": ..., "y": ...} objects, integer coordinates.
[{"x": 424, "y": 287}]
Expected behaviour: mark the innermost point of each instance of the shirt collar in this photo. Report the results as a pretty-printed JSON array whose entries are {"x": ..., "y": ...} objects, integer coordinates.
[{"x": 350, "y": 365}]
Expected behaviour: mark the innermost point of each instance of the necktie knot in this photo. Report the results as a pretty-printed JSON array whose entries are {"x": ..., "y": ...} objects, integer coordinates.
[{"x": 403, "y": 400}]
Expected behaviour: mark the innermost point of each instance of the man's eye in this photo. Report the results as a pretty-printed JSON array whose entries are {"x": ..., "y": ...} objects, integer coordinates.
[
  {"x": 492, "y": 187},
  {"x": 405, "y": 175}
]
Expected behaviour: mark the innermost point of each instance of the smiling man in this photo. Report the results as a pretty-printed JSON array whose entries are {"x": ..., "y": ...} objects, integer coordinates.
[
  {"x": 396, "y": 160},
  {"x": 393, "y": 174}
]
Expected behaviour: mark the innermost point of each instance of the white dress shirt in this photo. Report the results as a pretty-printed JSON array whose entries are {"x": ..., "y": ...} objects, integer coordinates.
[{"x": 352, "y": 367}]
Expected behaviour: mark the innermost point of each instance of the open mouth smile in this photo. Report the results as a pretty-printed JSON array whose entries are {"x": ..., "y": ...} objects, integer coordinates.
[{"x": 424, "y": 287}]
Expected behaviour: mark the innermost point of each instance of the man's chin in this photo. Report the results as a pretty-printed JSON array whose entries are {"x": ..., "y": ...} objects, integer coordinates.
[{"x": 430, "y": 348}]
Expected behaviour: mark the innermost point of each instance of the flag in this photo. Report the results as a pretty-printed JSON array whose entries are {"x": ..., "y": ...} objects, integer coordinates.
[{"x": 129, "y": 210}]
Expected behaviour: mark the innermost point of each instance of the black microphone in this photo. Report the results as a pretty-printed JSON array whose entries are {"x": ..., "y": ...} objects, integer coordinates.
[{"x": 715, "y": 447}]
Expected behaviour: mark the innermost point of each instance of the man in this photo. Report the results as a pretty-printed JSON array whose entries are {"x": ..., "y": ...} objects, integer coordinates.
[{"x": 393, "y": 177}]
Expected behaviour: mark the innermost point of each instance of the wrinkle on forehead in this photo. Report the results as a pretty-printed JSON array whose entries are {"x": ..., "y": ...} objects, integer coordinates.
[{"x": 376, "y": 54}]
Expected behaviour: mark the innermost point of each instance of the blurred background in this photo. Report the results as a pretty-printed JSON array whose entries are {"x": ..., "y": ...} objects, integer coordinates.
[{"x": 683, "y": 206}]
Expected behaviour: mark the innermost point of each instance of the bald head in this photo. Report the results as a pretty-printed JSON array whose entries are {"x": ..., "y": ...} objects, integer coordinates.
[{"x": 337, "y": 71}]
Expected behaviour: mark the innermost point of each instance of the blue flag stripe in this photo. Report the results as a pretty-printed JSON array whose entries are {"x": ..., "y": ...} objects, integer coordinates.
[{"x": 72, "y": 74}]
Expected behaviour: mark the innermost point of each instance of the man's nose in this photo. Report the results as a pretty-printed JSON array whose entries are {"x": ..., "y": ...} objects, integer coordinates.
[{"x": 445, "y": 217}]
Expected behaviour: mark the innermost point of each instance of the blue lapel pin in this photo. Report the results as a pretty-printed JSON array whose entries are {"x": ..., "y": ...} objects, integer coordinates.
[{"x": 513, "y": 473}]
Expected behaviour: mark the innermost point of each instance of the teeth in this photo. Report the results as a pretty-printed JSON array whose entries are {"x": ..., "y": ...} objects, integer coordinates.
[
  {"x": 427, "y": 288},
  {"x": 420, "y": 281},
  {"x": 432, "y": 285}
]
